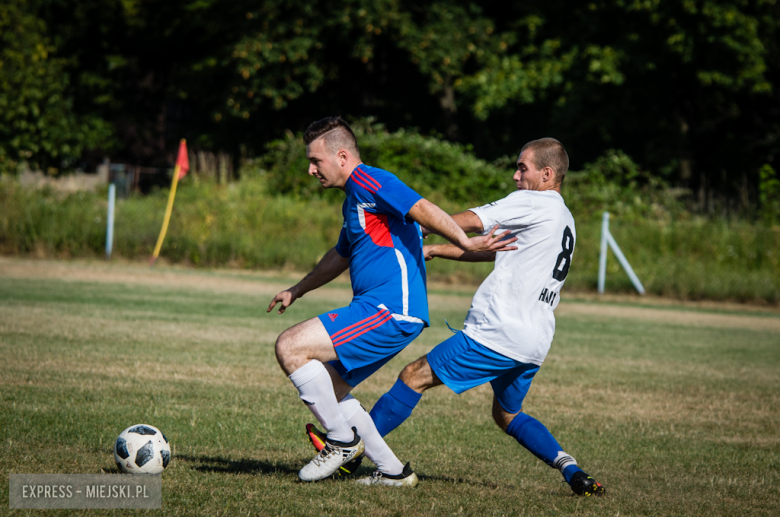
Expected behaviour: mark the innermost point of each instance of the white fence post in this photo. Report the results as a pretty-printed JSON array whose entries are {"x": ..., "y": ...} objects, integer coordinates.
[
  {"x": 603, "y": 255},
  {"x": 110, "y": 220},
  {"x": 608, "y": 239}
]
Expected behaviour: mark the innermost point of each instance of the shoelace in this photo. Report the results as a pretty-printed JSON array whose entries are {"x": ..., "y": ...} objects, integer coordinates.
[
  {"x": 324, "y": 453},
  {"x": 376, "y": 476}
]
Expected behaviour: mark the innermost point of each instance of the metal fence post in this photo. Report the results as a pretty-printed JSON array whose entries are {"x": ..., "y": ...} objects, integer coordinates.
[
  {"x": 110, "y": 220},
  {"x": 603, "y": 255}
]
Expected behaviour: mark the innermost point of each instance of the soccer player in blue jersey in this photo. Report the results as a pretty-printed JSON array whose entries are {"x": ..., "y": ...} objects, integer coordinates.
[
  {"x": 510, "y": 326},
  {"x": 381, "y": 245}
]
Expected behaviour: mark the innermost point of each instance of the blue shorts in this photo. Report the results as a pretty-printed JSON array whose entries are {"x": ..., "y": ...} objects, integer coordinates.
[
  {"x": 365, "y": 338},
  {"x": 462, "y": 363}
]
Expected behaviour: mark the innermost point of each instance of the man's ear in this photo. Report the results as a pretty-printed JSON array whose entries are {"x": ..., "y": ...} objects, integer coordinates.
[
  {"x": 548, "y": 174},
  {"x": 343, "y": 157}
]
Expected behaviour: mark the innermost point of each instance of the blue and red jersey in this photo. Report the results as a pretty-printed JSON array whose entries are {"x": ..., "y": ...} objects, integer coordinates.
[{"x": 386, "y": 262}]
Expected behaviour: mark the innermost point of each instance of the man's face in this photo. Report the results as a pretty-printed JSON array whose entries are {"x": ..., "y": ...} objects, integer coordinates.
[
  {"x": 324, "y": 165},
  {"x": 527, "y": 176}
]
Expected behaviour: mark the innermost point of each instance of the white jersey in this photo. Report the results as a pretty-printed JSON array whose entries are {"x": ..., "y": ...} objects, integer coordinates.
[{"x": 512, "y": 311}]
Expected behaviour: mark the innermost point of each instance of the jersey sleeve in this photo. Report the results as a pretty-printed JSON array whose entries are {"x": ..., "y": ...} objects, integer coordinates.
[
  {"x": 342, "y": 246},
  {"x": 512, "y": 212},
  {"x": 395, "y": 198}
]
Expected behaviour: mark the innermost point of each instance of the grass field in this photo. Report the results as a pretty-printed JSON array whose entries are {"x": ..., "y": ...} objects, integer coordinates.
[{"x": 674, "y": 408}]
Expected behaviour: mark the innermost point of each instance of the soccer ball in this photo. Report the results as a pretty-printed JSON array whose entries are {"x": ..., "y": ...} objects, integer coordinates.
[{"x": 142, "y": 449}]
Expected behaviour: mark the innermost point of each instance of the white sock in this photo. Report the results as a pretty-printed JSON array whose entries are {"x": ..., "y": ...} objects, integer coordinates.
[
  {"x": 376, "y": 448},
  {"x": 316, "y": 391}
]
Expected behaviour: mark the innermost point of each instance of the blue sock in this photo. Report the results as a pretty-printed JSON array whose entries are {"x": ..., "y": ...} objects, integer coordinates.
[
  {"x": 394, "y": 407},
  {"x": 534, "y": 436}
]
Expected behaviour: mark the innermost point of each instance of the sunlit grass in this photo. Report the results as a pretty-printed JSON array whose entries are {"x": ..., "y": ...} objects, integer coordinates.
[{"x": 674, "y": 417}]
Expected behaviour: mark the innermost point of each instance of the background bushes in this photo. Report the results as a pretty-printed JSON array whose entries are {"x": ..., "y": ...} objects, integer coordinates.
[{"x": 278, "y": 217}]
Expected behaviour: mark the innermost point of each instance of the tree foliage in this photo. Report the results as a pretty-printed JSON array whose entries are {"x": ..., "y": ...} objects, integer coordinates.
[
  {"x": 38, "y": 123},
  {"x": 436, "y": 168},
  {"x": 452, "y": 176},
  {"x": 688, "y": 88}
]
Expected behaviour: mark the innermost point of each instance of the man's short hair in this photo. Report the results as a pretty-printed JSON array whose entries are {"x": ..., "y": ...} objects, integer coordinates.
[
  {"x": 549, "y": 152},
  {"x": 336, "y": 132}
]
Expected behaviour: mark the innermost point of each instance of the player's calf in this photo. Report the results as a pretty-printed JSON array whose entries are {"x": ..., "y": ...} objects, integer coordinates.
[{"x": 534, "y": 436}]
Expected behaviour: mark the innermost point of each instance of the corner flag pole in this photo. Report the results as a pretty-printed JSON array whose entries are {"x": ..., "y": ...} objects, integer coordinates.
[{"x": 182, "y": 166}]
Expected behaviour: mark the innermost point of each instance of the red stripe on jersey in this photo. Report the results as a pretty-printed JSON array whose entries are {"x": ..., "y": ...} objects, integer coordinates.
[
  {"x": 360, "y": 331},
  {"x": 361, "y": 322},
  {"x": 362, "y": 184},
  {"x": 378, "y": 229},
  {"x": 364, "y": 175}
]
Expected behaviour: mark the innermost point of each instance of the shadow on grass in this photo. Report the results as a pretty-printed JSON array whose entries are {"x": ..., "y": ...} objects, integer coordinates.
[
  {"x": 240, "y": 466},
  {"x": 465, "y": 481},
  {"x": 219, "y": 464}
]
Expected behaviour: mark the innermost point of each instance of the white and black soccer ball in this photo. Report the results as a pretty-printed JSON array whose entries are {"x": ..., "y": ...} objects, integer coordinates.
[{"x": 142, "y": 449}]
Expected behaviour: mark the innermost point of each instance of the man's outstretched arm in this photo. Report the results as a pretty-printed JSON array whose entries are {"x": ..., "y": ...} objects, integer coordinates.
[
  {"x": 452, "y": 252},
  {"x": 468, "y": 221},
  {"x": 437, "y": 221},
  {"x": 331, "y": 266}
]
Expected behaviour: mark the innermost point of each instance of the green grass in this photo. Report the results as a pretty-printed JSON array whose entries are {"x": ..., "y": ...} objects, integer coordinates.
[{"x": 675, "y": 419}]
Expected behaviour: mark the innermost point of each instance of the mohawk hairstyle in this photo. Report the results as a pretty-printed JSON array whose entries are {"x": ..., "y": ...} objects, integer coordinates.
[
  {"x": 549, "y": 152},
  {"x": 335, "y": 131}
]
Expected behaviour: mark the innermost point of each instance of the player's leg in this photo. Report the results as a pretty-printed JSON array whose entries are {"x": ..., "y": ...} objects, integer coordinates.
[
  {"x": 395, "y": 406},
  {"x": 365, "y": 338},
  {"x": 509, "y": 391},
  {"x": 390, "y": 471},
  {"x": 376, "y": 448},
  {"x": 301, "y": 351},
  {"x": 460, "y": 363}
]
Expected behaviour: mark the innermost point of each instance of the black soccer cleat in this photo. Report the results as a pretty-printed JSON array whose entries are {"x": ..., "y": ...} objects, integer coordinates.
[{"x": 583, "y": 484}]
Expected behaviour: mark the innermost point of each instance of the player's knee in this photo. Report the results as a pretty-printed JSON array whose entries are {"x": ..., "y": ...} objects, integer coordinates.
[
  {"x": 501, "y": 417},
  {"x": 408, "y": 375},
  {"x": 285, "y": 349},
  {"x": 416, "y": 375}
]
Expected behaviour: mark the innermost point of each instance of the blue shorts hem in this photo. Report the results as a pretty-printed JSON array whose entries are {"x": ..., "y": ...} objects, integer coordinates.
[
  {"x": 462, "y": 363},
  {"x": 365, "y": 337}
]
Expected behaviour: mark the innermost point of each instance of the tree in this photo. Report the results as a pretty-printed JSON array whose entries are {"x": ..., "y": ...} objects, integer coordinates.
[
  {"x": 686, "y": 88},
  {"x": 39, "y": 125}
]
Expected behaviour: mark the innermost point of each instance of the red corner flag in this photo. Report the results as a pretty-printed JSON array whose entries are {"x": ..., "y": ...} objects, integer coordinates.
[
  {"x": 182, "y": 166},
  {"x": 183, "y": 160}
]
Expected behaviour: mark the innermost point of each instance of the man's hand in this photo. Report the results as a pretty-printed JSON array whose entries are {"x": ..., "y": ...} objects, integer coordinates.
[
  {"x": 490, "y": 242},
  {"x": 286, "y": 298}
]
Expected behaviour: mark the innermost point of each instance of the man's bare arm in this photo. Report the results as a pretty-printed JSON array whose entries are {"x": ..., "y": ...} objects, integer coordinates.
[
  {"x": 437, "y": 221},
  {"x": 452, "y": 252},
  {"x": 468, "y": 221},
  {"x": 330, "y": 267}
]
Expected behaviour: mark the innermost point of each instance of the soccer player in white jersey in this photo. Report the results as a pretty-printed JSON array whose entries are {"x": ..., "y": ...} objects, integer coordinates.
[{"x": 510, "y": 326}]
